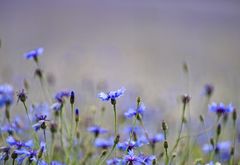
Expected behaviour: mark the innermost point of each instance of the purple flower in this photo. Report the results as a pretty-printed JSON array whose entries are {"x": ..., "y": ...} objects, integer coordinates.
[
  {"x": 114, "y": 161},
  {"x": 152, "y": 140},
  {"x": 130, "y": 158},
  {"x": 40, "y": 109},
  {"x": 220, "y": 108},
  {"x": 56, "y": 163},
  {"x": 57, "y": 106},
  {"x": 41, "y": 122},
  {"x": 23, "y": 154},
  {"x": 133, "y": 112},
  {"x": 18, "y": 144},
  {"x": 103, "y": 143},
  {"x": 111, "y": 95},
  {"x": 147, "y": 159},
  {"x": 96, "y": 130},
  {"x": 129, "y": 145},
  {"x": 61, "y": 95},
  {"x": 34, "y": 53},
  {"x": 6, "y": 95},
  {"x": 4, "y": 153}
]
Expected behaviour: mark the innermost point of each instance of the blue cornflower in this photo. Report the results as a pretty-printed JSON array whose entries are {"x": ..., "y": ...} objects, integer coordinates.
[
  {"x": 134, "y": 112},
  {"x": 4, "y": 153},
  {"x": 6, "y": 95},
  {"x": 24, "y": 153},
  {"x": 40, "y": 109},
  {"x": 147, "y": 160},
  {"x": 96, "y": 130},
  {"x": 130, "y": 158},
  {"x": 41, "y": 122},
  {"x": 129, "y": 145},
  {"x": 57, "y": 106},
  {"x": 103, "y": 143},
  {"x": 114, "y": 161},
  {"x": 152, "y": 140},
  {"x": 33, "y": 54},
  {"x": 56, "y": 163},
  {"x": 111, "y": 95},
  {"x": 61, "y": 95},
  {"x": 18, "y": 144},
  {"x": 220, "y": 108}
]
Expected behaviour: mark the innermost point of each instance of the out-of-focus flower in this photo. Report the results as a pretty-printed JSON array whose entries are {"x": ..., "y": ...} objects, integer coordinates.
[
  {"x": 41, "y": 109},
  {"x": 24, "y": 153},
  {"x": 61, "y": 95},
  {"x": 96, "y": 130},
  {"x": 152, "y": 140},
  {"x": 111, "y": 95},
  {"x": 103, "y": 143},
  {"x": 6, "y": 95},
  {"x": 41, "y": 122},
  {"x": 18, "y": 144},
  {"x": 129, "y": 145},
  {"x": 133, "y": 112},
  {"x": 208, "y": 90},
  {"x": 4, "y": 153},
  {"x": 114, "y": 161},
  {"x": 220, "y": 108},
  {"x": 130, "y": 158},
  {"x": 33, "y": 54}
]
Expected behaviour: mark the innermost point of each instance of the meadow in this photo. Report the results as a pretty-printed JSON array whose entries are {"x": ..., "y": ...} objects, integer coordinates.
[{"x": 60, "y": 130}]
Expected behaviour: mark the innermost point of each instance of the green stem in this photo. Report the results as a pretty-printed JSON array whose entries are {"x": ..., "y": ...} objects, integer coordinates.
[
  {"x": 115, "y": 119},
  {"x": 180, "y": 130},
  {"x": 26, "y": 109}
]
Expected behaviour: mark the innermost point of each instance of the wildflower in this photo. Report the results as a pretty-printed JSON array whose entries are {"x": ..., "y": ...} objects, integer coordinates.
[
  {"x": 57, "y": 106},
  {"x": 208, "y": 90},
  {"x": 114, "y": 161},
  {"x": 34, "y": 54},
  {"x": 129, "y": 145},
  {"x": 40, "y": 109},
  {"x": 186, "y": 99},
  {"x": 6, "y": 95},
  {"x": 220, "y": 108},
  {"x": 131, "y": 159},
  {"x": 147, "y": 160},
  {"x": 61, "y": 95},
  {"x": 72, "y": 98},
  {"x": 96, "y": 130},
  {"x": 103, "y": 143},
  {"x": 23, "y": 154},
  {"x": 22, "y": 96},
  {"x": 152, "y": 140},
  {"x": 76, "y": 115},
  {"x": 111, "y": 95},
  {"x": 134, "y": 112},
  {"x": 18, "y": 144},
  {"x": 41, "y": 122},
  {"x": 4, "y": 153}
]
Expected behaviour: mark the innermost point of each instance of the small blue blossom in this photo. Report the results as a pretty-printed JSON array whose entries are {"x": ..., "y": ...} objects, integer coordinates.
[
  {"x": 57, "y": 106},
  {"x": 114, "y": 161},
  {"x": 130, "y": 158},
  {"x": 152, "y": 140},
  {"x": 6, "y": 95},
  {"x": 96, "y": 130},
  {"x": 61, "y": 95},
  {"x": 133, "y": 112},
  {"x": 41, "y": 122},
  {"x": 34, "y": 53},
  {"x": 4, "y": 153},
  {"x": 129, "y": 145},
  {"x": 103, "y": 143},
  {"x": 221, "y": 108},
  {"x": 111, "y": 95},
  {"x": 18, "y": 144},
  {"x": 40, "y": 109},
  {"x": 23, "y": 154},
  {"x": 147, "y": 160}
]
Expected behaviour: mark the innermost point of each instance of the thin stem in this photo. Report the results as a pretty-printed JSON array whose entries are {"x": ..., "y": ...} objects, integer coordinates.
[
  {"x": 115, "y": 119},
  {"x": 13, "y": 161},
  {"x": 26, "y": 109},
  {"x": 167, "y": 157},
  {"x": 180, "y": 130}
]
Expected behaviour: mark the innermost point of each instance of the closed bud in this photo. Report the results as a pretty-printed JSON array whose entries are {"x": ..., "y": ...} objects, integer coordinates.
[
  {"x": 117, "y": 138},
  {"x": 219, "y": 128},
  {"x": 212, "y": 142},
  {"x": 138, "y": 100},
  {"x": 38, "y": 73},
  {"x": 14, "y": 155},
  {"x": 186, "y": 99},
  {"x": 113, "y": 101},
  {"x": 72, "y": 98},
  {"x": 234, "y": 115},
  {"x": 232, "y": 151},
  {"x": 77, "y": 115},
  {"x": 53, "y": 127},
  {"x": 201, "y": 119},
  {"x": 165, "y": 144},
  {"x": 22, "y": 96},
  {"x": 164, "y": 126}
]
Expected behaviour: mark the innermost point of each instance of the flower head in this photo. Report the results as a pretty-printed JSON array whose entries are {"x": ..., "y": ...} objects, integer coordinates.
[
  {"x": 19, "y": 144},
  {"x": 131, "y": 158},
  {"x": 133, "y": 112},
  {"x": 221, "y": 108},
  {"x": 41, "y": 122},
  {"x": 33, "y": 54},
  {"x": 111, "y": 95},
  {"x": 6, "y": 95},
  {"x": 61, "y": 95},
  {"x": 103, "y": 143},
  {"x": 96, "y": 130}
]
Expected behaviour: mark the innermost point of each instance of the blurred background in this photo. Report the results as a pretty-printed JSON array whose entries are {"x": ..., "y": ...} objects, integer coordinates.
[{"x": 96, "y": 45}]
